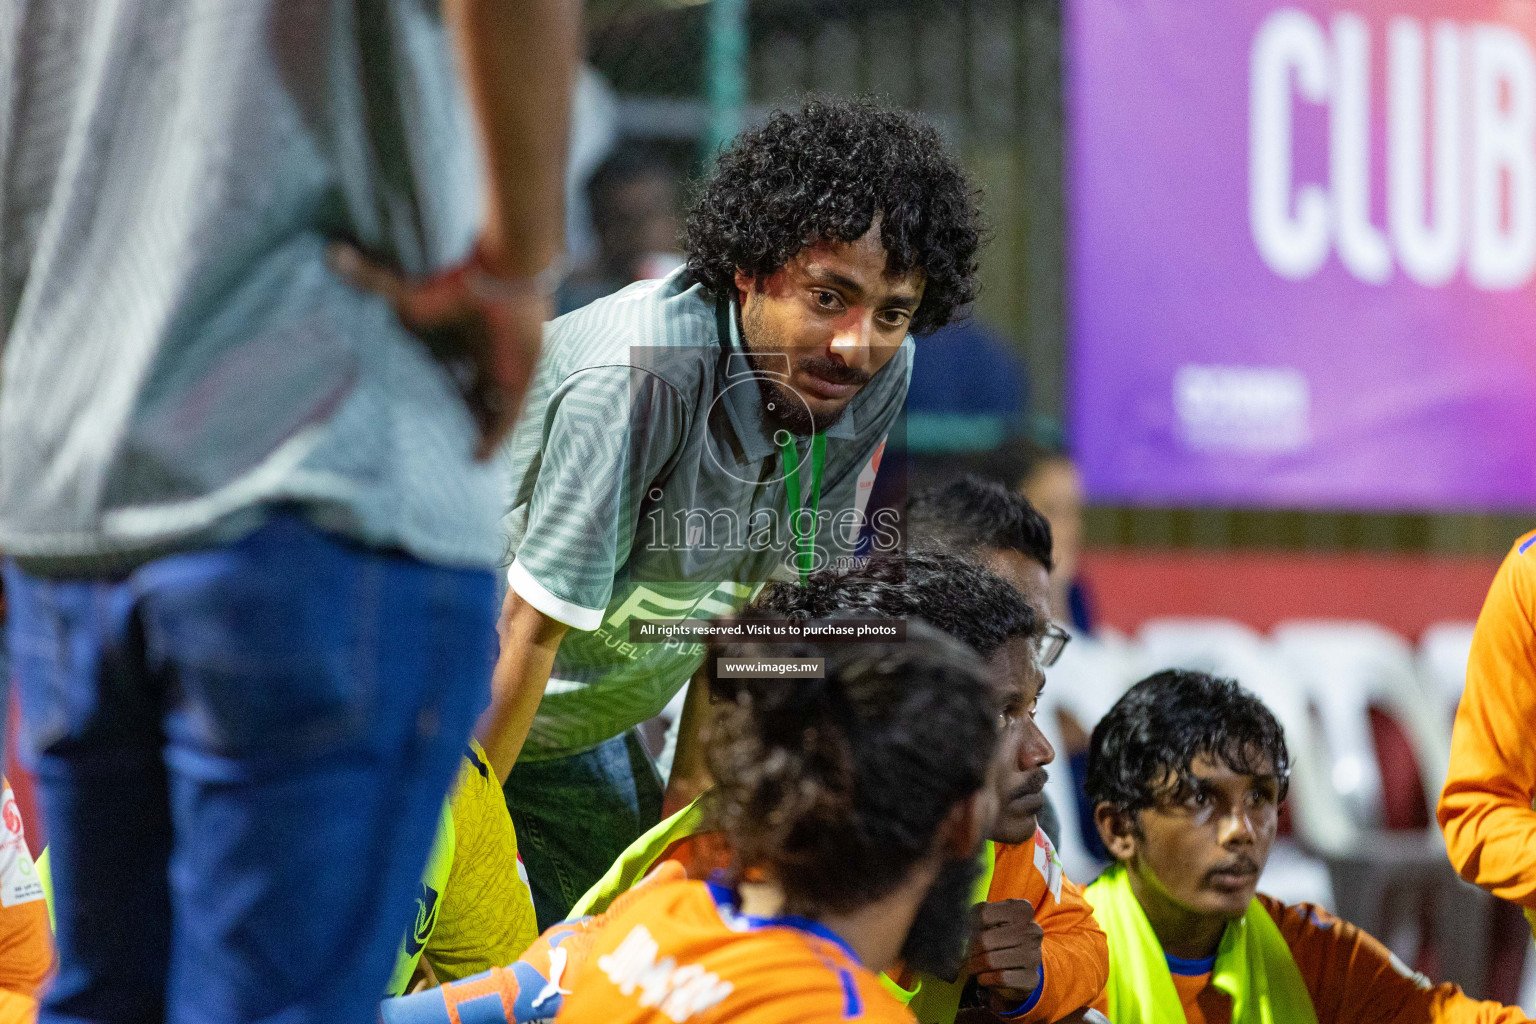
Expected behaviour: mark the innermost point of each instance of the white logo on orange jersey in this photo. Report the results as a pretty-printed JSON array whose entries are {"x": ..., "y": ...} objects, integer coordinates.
[
  {"x": 18, "y": 876},
  {"x": 1048, "y": 864},
  {"x": 678, "y": 992}
]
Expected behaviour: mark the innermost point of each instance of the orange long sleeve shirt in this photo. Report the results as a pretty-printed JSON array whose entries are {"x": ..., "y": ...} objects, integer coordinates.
[
  {"x": 1075, "y": 954},
  {"x": 1486, "y": 806},
  {"x": 1351, "y": 977}
]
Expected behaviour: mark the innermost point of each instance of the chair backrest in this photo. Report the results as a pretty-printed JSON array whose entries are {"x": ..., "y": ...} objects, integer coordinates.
[
  {"x": 1232, "y": 650},
  {"x": 1443, "y": 652},
  {"x": 1352, "y": 670}
]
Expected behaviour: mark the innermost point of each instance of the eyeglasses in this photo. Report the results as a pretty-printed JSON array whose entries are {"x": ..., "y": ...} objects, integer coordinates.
[{"x": 1052, "y": 644}]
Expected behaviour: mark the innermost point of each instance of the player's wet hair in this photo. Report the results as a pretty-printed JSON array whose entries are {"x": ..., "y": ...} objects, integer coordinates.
[
  {"x": 1145, "y": 745},
  {"x": 970, "y": 513},
  {"x": 825, "y": 172},
  {"x": 965, "y": 600},
  {"x": 836, "y": 787}
]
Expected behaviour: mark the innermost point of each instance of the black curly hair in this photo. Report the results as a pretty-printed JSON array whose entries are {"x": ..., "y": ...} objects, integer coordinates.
[
  {"x": 836, "y": 787},
  {"x": 1153, "y": 733},
  {"x": 826, "y": 171},
  {"x": 972, "y": 513},
  {"x": 965, "y": 600}
]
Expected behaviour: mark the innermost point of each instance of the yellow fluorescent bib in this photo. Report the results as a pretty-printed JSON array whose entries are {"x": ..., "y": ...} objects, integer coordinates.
[
  {"x": 638, "y": 859},
  {"x": 1254, "y": 965}
]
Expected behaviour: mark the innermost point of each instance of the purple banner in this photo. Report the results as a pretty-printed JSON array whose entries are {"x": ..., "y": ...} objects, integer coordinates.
[{"x": 1302, "y": 251}]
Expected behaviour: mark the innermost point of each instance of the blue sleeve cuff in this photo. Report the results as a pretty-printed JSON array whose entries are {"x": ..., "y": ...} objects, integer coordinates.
[{"x": 1031, "y": 1002}]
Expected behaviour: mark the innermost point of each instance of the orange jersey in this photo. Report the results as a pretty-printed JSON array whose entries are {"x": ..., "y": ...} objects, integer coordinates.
[
  {"x": 1074, "y": 952},
  {"x": 1351, "y": 977},
  {"x": 680, "y": 952},
  {"x": 668, "y": 951},
  {"x": 1485, "y": 808},
  {"x": 26, "y": 941}
]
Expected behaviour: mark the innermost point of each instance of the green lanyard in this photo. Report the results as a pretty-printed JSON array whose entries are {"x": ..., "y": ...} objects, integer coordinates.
[{"x": 805, "y": 540}]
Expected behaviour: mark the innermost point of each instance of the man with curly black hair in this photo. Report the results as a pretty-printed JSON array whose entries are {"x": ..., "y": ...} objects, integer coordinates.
[
  {"x": 1187, "y": 773},
  {"x": 686, "y": 440}
]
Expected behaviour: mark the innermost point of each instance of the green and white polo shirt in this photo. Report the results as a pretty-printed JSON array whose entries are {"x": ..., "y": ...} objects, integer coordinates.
[{"x": 647, "y": 483}]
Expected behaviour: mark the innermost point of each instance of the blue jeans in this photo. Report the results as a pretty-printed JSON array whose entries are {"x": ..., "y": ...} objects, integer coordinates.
[
  {"x": 240, "y": 756},
  {"x": 574, "y": 816}
]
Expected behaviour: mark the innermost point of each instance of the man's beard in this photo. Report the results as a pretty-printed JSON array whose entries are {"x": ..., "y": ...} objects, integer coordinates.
[
  {"x": 782, "y": 404},
  {"x": 942, "y": 927}
]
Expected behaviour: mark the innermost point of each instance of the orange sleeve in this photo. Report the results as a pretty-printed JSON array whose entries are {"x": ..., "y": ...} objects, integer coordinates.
[
  {"x": 1485, "y": 808},
  {"x": 26, "y": 940},
  {"x": 15, "y": 1009},
  {"x": 575, "y": 938},
  {"x": 1074, "y": 952},
  {"x": 1354, "y": 979},
  {"x": 26, "y": 948}
]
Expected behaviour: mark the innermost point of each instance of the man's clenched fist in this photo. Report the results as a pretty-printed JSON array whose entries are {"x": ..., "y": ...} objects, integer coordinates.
[{"x": 1004, "y": 955}]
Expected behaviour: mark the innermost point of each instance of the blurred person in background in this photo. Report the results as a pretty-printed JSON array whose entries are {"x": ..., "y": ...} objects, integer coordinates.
[
  {"x": 970, "y": 394},
  {"x": 1486, "y": 806},
  {"x": 839, "y": 874},
  {"x": 1036, "y": 953},
  {"x": 633, "y": 196},
  {"x": 749, "y": 393},
  {"x": 1047, "y": 476},
  {"x": 248, "y": 521},
  {"x": 1187, "y": 774}
]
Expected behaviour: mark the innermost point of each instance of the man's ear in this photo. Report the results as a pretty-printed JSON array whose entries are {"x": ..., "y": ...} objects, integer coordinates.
[
  {"x": 968, "y": 823},
  {"x": 1117, "y": 829},
  {"x": 744, "y": 283}
]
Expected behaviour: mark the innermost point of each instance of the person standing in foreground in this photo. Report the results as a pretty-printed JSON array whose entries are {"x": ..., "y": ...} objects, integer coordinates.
[
  {"x": 1486, "y": 806},
  {"x": 249, "y": 537},
  {"x": 839, "y": 872},
  {"x": 1187, "y": 773},
  {"x": 688, "y": 439}
]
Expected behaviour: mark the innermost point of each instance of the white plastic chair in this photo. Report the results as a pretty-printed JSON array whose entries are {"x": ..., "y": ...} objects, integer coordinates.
[
  {"x": 1349, "y": 668},
  {"x": 1386, "y": 876},
  {"x": 1442, "y": 661},
  {"x": 1295, "y": 876}
]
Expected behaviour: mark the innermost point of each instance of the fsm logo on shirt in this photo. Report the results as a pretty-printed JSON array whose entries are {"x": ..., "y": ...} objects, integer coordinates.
[
  {"x": 678, "y": 992},
  {"x": 719, "y": 599}
]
